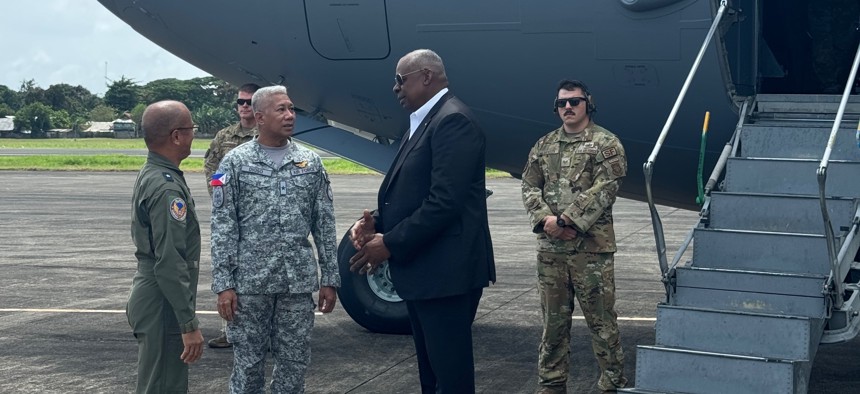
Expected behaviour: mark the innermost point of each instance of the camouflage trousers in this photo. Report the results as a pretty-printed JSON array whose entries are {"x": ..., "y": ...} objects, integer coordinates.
[
  {"x": 280, "y": 322},
  {"x": 590, "y": 277}
]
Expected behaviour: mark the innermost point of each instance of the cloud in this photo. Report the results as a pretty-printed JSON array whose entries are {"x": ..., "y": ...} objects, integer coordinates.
[{"x": 69, "y": 41}]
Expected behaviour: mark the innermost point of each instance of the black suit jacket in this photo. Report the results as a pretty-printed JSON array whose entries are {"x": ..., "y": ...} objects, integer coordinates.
[{"x": 433, "y": 207}]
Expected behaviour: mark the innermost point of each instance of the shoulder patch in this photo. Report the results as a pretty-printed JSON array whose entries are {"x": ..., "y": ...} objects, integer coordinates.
[
  {"x": 167, "y": 176},
  {"x": 178, "y": 209},
  {"x": 609, "y": 152},
  {"x": 217, "y": 196}
]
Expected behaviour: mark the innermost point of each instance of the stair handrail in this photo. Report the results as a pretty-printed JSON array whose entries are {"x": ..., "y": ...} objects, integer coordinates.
[
  {"x": 648, "y": 167},
  {"x": 822, "y": 183},
  {"x": 712, "y": 180}
]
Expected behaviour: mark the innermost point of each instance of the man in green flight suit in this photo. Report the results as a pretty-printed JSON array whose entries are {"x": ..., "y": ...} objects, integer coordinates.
[{"x": 164, "y": 228}]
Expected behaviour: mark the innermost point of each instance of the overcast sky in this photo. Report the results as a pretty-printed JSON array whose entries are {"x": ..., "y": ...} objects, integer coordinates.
[{"x": 69, "y": 41}]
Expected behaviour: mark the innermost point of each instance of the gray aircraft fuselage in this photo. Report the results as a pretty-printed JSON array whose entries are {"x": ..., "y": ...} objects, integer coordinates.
[{"x": 503, "y": 58}]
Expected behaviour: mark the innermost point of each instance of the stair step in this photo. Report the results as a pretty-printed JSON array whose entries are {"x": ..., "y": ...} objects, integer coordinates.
[
  {"x": 750, "y": 291},
  {"x": 761, "y": 251},
  {"x": 748, "y": 334},
  {"x": 777, "y": 212},
  {"x": 807, "y": 103},
  {"x": 677, "y": 370},
  {"x": 791, "y": 176},
  {"x": 798, "y": 142}
]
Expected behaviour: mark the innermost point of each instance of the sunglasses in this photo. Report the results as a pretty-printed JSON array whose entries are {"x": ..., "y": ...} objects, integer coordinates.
[
  {"x": 573, "y": 101},
  {"x": 399, "y": 79},
  {"x": 193, "y": 129},
  {"x": 243, "y": 101}
]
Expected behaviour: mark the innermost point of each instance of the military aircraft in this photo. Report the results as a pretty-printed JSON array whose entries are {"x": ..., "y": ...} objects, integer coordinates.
[{"x": 503, "y": 58}]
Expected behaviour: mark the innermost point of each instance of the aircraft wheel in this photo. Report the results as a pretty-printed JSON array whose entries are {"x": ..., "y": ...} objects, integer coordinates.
[{"x": 370, "y": 300}]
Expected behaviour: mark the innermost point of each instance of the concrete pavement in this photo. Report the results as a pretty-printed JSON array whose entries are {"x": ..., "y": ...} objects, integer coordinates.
[{"x": 67, "y": 263}]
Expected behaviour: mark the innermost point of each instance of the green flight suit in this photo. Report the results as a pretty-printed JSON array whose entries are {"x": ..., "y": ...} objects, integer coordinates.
[{"x": 163, "y": 297}]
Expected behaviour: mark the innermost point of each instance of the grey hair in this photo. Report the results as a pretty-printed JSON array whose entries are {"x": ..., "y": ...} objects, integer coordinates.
[
  {"x": 425, "y": 58},
  {"x": 263, "y": 95}
]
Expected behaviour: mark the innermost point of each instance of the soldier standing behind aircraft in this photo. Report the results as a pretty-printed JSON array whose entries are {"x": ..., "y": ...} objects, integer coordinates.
[
  {"x": 225, "y": 140},
  {"x": 164, "y": 228},
  {"x": 569, "y": 185},
  {"x": 268, "y": 196}
]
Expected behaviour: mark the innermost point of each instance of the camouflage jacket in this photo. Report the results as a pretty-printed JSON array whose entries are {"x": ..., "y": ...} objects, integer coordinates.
[
  {"x": 261, "y": 218},
  {"x": 166, "y": 237},
  {"x": 577, "y": 175},
  {"x": 225, "y": 140}
]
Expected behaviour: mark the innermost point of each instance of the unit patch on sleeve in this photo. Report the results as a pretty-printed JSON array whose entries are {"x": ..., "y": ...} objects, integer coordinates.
[
  {"x": 178, "y": 209},
  {"x": 218, "y": 196},
  {"x": 609, "y": 152}
]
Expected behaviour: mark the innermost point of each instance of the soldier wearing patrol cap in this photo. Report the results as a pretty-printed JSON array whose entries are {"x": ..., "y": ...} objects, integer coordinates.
[
  {"x": 569, "y": 185},
  {"x": 164, "y": 228},
  {"x": 267, "y": 197}
]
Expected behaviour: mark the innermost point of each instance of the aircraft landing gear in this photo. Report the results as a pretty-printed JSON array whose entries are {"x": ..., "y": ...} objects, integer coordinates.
[{"x": 370, "y": 300}]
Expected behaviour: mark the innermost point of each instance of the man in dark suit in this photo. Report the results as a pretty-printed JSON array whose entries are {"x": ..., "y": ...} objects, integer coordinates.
[{"x": 431, "y": 224}]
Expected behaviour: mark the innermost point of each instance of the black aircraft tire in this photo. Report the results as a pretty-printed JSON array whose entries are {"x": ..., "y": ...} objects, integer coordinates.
[{"x": 364, "y": 306}]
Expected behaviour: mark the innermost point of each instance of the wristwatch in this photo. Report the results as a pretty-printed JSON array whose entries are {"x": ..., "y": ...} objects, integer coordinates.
[{"x": 560, "y": 222}]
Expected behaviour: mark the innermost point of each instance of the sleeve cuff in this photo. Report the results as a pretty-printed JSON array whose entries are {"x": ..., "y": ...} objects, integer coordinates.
[{"x": 190, "y": 326}]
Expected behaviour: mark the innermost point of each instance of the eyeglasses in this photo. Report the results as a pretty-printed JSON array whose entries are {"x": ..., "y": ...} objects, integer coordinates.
[
  {"x": 399, "y": 79},
  {"x": 193, "y": 129},
  {"x": 573, "y": 101},
  {"x": 243, "y": 101}
]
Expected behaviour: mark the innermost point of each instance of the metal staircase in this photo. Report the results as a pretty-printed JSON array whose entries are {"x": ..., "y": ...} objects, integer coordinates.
[{"x": 746, "y": 314}]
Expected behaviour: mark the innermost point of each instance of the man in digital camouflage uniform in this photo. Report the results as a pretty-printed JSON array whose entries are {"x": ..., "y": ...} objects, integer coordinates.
[
  {"x": 225, "y": 140},
  {"x": 267, "y": 197},
  {"x": 569, "y": 185},
  {"x": 166, "y": 235}
]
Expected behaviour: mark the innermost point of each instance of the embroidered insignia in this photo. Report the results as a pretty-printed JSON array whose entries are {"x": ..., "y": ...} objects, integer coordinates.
[
  {"x": 257, "y": 170},
  {"x": 217, "y": 180},
  {"x": 609, "y": 152},
  {"x": 167, "y": 177},
  {"x": 616, "y": 169},
  {"x": 329, "y": 193},
  {"x": 302, "y": 171},
  {"x": 301, "y": 164},
  {"x": 217, "y": 196},
  {"x": 178, "y": 209}
]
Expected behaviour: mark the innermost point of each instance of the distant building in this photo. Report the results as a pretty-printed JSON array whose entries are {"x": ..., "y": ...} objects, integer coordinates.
[
  {"x": 7, "y": 124},
  {"x": 124, "y": 128},
  {"x": 99, "y": 127}
]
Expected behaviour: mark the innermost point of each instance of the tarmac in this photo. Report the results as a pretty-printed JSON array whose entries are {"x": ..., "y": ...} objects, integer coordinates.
[{"x": 67, "y": 261}]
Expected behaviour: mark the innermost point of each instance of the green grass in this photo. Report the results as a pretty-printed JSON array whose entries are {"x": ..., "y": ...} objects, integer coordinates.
[
  {"x": 85, "y": 143},
  {"x": 118, "y": 162},
  {"x": 133, "y": 163}
]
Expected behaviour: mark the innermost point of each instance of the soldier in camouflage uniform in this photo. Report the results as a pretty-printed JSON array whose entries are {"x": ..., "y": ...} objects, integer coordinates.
[
  {"x": 232, "y": 136},
  {"x": 267, "y": 197},
  {"x": 166, "y": 235},
  {"x": 569, "y": 185},
  {"x": 225, "y": 140}
]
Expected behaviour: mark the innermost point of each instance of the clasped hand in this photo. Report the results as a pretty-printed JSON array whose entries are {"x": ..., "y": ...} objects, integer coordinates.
[
  {"x": 551, "y": 228},
  {"x": 370, "y": 249}
]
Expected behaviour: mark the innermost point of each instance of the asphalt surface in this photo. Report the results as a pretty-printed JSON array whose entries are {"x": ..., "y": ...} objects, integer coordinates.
[{"x": 66, "y": 261}]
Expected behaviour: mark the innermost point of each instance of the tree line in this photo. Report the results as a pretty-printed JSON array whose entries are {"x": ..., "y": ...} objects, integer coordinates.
[{"x": 63, "y": 106}]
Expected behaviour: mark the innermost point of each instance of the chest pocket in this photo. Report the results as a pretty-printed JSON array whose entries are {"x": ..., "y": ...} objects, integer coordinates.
[
  {"x": 550, "y": 162},
  {"x": 255, "y": 191},
  {"x": 580, "y": 172}
]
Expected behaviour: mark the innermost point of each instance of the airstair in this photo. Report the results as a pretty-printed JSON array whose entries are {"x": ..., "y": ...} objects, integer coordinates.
[
  {"x": 773, "y": 271},
  {"x": 747, "y": 313}
]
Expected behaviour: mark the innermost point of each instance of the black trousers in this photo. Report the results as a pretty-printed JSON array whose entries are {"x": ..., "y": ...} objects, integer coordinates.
[{"x": 442, "y": 331}]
